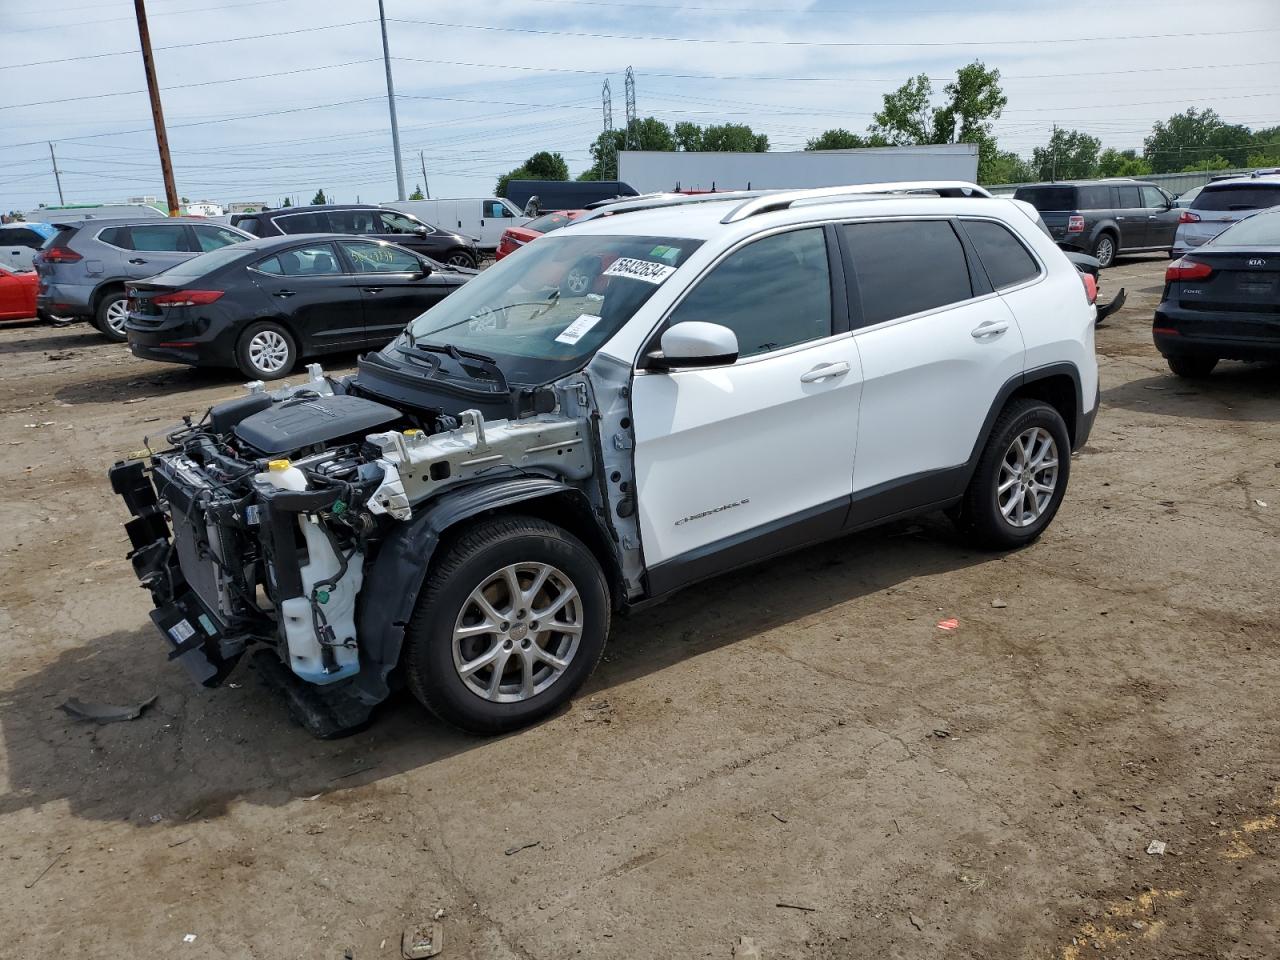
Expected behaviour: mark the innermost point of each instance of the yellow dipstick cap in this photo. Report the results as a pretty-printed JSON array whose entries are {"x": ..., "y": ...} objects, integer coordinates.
[
  {"x": 412, "y": 432},
  {"x": 278, "y": 465}
]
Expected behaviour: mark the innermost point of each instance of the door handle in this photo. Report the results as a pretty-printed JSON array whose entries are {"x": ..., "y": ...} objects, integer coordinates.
[
  {"x": 137, "y": 260},
  {"x": 284, "y": 293},
  {"x": 989, "y": 329},
  {"x": 1153, "y": 218},
  {"x": 371, "y": 289},
  {"x": 824, "y": 371}
]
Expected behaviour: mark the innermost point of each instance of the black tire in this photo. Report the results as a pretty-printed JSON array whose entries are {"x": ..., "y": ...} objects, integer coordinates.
[
  {"x": 579, "y": 278},
  {"x": 1105, "y": 249},
  {"x": 460, "y": 258},
  {"x": 266, "y": 351},
  {"x": 980, "y": 518},
  {"x": 478, "y": 554},
  {"x": 1192, "y": 368},
  {"x": 107, "y": 316}
]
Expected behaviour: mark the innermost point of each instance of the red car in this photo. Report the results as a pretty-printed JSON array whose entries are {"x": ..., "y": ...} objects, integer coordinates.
[
  {"x": 513, "y": 238},
  {"x": 17, "y": 293}
]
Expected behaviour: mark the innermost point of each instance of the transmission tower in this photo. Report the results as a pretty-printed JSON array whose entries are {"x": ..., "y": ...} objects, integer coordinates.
[
  {"x": 632, "y": 134},
  {"x": 608, "y": 146}
]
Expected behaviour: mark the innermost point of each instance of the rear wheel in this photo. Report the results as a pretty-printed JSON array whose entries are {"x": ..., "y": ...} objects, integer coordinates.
[
  {"x": 511, "y": 622},
  {"x": 1020, "y": 479},
  {"x": 1104, "y": 250},
  {"x": 110, "y": 316},
  {"x": 1192, "y": 368},
  {"x": 266, "y": 351}
]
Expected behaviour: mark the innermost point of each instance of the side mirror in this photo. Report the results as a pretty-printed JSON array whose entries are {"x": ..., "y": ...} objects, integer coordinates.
[
  {"x": 424, "y": 270},
  {"x": 694, "y": 343},
  {"x": 420, "y": 231}
]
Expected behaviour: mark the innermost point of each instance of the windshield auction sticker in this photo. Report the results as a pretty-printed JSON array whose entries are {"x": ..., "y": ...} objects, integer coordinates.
[
  {"x": 578, "y": 329},
  {"x": 634, "y": 269}
]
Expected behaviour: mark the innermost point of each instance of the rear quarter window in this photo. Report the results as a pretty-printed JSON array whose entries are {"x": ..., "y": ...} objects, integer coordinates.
[
  {"x": 1238, "y": 196},
  {"x": 1048, "y": 198},
  {"x": 1094, "y": 198},
  {"x": 1003, "y": 255},
  {"x": 907, "y": 266}
]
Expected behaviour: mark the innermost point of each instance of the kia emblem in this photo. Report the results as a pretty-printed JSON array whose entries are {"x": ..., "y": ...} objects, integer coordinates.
[{"x": 1257, "y": 262}]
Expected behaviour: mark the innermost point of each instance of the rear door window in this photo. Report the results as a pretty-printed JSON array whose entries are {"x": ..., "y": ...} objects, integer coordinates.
[
  {"x": 907, "y": 266},
  {"x": 772, "y": 293},
  {"x": 1130, "y": 198},
  {"x": 159, "y": 238},
  {"x": 303, "y": 223},
  {"x": 1048, "y": 198},
  {"x": 353, "y": 221},
  {"x": 1003, "y": 255},
  {"x": 1238, "y": 196}
]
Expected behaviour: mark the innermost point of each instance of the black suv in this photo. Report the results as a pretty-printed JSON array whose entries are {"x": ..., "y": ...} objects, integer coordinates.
[
  {"x": 1105, "y": 218},
  {"x": 364, "y": 220}
]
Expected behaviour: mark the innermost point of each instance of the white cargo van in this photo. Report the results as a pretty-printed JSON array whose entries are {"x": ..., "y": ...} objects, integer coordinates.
[{"x": 481, "y": 217}]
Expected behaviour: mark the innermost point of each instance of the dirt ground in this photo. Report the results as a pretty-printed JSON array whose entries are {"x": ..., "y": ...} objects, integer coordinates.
[{"x": 794, "y": 754}]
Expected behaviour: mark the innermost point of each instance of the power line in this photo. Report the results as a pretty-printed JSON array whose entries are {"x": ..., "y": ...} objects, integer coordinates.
[
  {"x": 735, "y": 41},
  {"x": 170, "y": 13},
  {"x": 184, "y": 46}
]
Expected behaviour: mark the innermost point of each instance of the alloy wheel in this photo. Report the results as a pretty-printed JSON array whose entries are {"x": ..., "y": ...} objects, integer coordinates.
[
  {"x": 1106, "y": 251},
  {"x": 459, "y": 260},
  {"x": 1028, "y": 477},
  {"x": 268, "y": 351},
  {"x": 517, "y": 632}
]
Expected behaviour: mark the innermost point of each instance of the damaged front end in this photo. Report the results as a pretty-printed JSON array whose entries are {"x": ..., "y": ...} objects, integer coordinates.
[{"x": 260, "y": 526}]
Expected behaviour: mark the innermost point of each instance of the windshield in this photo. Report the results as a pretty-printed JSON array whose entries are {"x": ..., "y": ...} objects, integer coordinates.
[
  {"x": 1238, "y": 196},
  {"x": 1258, "y": 230},
  {"x": 540, "y": 315},
  {"x": 548, "y": 222},
  {"x": 201, "y": 266}
]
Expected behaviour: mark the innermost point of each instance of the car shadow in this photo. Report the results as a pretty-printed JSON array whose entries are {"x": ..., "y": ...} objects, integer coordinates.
[
  {"x": 58, "y": 338},
  {"x": 139, "y": 383},
  {"x": 197, "y": 751},
  {"x": 1233, "y": 392}
]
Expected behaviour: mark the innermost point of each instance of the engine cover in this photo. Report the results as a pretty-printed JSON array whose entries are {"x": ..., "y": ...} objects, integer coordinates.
[{"x": 304, "y": 422}]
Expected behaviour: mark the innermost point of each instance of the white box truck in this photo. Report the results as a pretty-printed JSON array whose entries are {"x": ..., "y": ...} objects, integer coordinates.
[{"x": 483, "y": 218}]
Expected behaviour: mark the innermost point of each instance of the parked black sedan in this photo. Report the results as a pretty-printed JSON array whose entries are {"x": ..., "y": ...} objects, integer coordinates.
[
  {"x": 1222, "y": 300},
  {"x": 261, "y": 305}
]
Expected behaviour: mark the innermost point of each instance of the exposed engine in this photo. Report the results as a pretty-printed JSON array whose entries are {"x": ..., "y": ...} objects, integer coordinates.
[{"x": 278, "y": 504}]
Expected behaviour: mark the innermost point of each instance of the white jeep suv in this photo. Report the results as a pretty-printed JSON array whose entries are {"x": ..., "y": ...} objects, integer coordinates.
[{"x": 664, "y": 391}]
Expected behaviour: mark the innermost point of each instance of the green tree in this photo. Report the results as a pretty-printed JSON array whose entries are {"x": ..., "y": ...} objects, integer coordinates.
[
  {"x": 543, "y": 165},
  {"x": 417, "y": 193},
  {"x": 1122, "y": 163},
  {"x": 1264, "y": 149},
  {"x": 733, "y": 137},
  {"x": 1068, "y": 155},
  {"x": 904, "y": 119},
  {"x": 1216, "y": 162},
  {"x": 286, "y": 202},
  {"x": 319, "y": 198},
  {"x": 974, "y": 100},
  {"x": 688, "y": 136},
  {"x": 1007, "y": 167},
  {"x": 841, "y": 139},
  {"x": 648, "y": 134},
  {"x": 1188, "y": 138}
]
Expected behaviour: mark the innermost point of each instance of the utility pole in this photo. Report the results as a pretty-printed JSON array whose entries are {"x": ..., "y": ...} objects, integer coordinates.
[
  {"x": 609, "y": 151},
  {"x": 426, "y": 187},
  {"x": 157, "y": 112},
  {"x": 1053, "y": 154},
  {"x": 629, "y": 90},
  {"x": 56, "y": 174},
  {"x": 391, "y": 102}
]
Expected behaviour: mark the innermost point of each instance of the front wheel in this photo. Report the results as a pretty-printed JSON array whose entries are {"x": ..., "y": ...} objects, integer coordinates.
[
  {"x": 461, "y": 258},
  {"x": 266, "y": 351},
  {"x": 511, "y": 622},
  {"x": 1192, "y": 368},
  {"x": 1020, "y": 479}
]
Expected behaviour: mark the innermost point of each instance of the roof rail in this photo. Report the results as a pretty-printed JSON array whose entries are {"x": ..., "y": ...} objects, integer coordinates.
[
  {"x": 655, "y": 201},
  {"x": 782, "y": 200}
]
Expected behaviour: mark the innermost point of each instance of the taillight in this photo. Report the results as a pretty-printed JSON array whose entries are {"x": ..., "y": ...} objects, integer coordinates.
[
  {"x": 1075, "y": 224},
  {"x": 1188, "y": 217},
  {"x": 1185, "y": 269},
  {"x": 59, "y": 255},
  {"x": 1090, "y": 287},
  {"x": 187, "y": 298}
]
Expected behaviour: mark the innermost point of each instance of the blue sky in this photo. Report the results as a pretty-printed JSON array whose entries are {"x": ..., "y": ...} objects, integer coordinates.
[{"x": 481, "y": 88}]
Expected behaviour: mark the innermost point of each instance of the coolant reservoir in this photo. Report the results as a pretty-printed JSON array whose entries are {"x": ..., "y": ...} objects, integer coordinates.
[{"x": 284, "y": 475}]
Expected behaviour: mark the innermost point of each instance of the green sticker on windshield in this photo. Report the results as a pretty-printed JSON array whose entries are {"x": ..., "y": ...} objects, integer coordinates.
[{"x": 666, "y": 254}]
